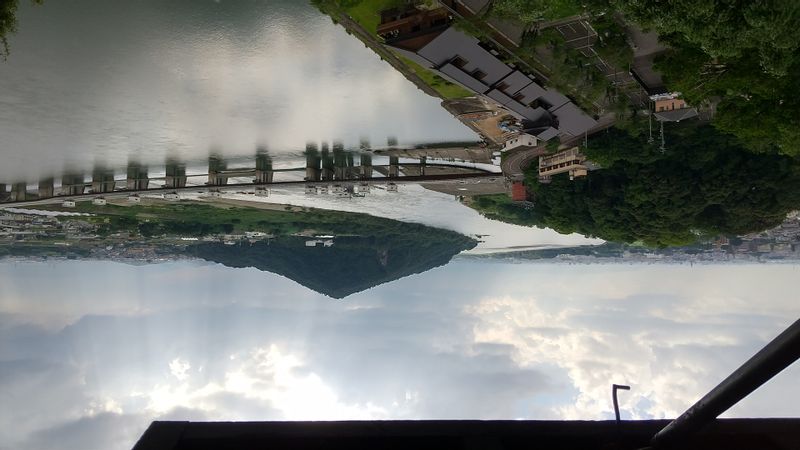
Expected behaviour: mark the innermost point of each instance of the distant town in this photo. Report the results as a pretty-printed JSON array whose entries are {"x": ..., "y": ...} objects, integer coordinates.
[{"x": 776, "y": 245}]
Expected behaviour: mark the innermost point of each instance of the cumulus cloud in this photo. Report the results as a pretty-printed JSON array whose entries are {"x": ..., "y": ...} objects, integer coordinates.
[{"x": 504, "y": 341}]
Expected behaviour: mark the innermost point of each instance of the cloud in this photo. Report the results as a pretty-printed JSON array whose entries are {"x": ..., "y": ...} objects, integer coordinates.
[{"x": 503, "y": 341}]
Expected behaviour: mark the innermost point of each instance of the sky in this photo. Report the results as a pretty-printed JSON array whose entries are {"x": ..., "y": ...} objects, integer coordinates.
[{"x": 91, "y": 356}]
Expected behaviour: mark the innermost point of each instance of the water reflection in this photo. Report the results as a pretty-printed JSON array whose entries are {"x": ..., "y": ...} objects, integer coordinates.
[
  {"x": 188, "y": 341},
  {"x": 215, "y": 76}
]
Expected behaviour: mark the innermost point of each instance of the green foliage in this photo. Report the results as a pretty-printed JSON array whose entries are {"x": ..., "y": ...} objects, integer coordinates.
[
  {"x": 8, "y": 22},
  {"x": 727, "y": 29},
  {"x": 500, "y": 207},
  {"x": 704, "y": 184},
  {"x": 532, "y": 11},
  {"x": 741, "y": 53}
]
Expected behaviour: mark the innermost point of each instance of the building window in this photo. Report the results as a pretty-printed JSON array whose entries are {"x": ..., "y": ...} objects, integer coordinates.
[
  {"x": 479, "y": 74},
  {"x": 459, "y": 62}
]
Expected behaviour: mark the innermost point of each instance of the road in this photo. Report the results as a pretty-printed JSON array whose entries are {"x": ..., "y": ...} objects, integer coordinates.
[{"x": 515, "y": 162}]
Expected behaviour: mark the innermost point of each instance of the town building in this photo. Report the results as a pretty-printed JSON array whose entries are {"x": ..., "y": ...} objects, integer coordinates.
[
  {"x": 518, "y": 192},
  {"x": 134, "y": 198},
  {"x": 670, "y": 107},
  {"x": 99, "y": 201},
  {"x": 68, "y": 203},
  {"x": 522, "y": 140},
  {"x": 570, "y": 161},
  {"x": 427, "y": 38},
  {"x": 172, "y": 196}
]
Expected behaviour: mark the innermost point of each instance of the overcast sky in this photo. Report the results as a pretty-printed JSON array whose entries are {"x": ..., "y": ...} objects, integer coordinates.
[{"x": 91, "y": 352}]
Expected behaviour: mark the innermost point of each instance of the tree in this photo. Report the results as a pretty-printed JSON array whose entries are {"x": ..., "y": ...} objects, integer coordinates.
[
  {"x": 8, "y": 22},
  {"x": 706, "y": 184}
]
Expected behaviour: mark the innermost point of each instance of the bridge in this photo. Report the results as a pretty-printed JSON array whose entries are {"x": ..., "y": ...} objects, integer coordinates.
[{"x": 321, "y": 168}]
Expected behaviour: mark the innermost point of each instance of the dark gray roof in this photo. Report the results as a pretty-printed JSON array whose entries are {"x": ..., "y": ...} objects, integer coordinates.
[
  {"x": 498, "y": 96},
  {"x": 547, "y": 134},
  {"x": 571, "y": 120},
  {"x": 531, "y": 92},
  {"x": 516, "y": 80},
  {"x": 676, "y": 115},
  {"x": 453, "y": 43},
  {"x": 554, "y": 98},
  {"x": 526, "y": 112},
  {"x": 463, "y": 78}
]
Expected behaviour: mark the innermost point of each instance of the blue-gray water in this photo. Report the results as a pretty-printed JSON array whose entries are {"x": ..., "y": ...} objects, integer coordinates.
[{"x": 94, "y": 81}]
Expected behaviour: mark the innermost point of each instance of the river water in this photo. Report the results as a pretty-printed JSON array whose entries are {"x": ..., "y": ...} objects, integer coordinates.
[{"x": 93, "y": 81}]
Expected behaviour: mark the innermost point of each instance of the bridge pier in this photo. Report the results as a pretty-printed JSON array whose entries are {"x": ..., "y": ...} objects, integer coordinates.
[
  {"x": 137, "y": 179},
  {"x": 422, "y": 163},
  {"x": 264, "y": 172},
  {"x": 72, "y": 184},
  {"x": 215, "y": 168},
  {"x": 394, "y": 167},
  {"x": 46, "y": 189},
  {"x": 176, "y": 175},
  {"x": 339, "y": 161},
  {"x": 327, "y": 164},
  {"x": 4, "y": 194},
  {"x": 19, "y": 192},
  {"x": 103, "y": 181},
  {"x": 366, "y": 166},
  {"x": 313, "y": 162}
]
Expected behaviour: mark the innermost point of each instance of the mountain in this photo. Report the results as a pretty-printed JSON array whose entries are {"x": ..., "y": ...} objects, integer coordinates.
[{"x": 352, "y": 264}]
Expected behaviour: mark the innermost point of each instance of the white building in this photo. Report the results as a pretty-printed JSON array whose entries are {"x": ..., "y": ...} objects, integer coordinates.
[
  {"x": 521, "y": 140},
  {"x": 311, "y": 190},
  {"x": 262, "y": 192},
  {"x": 172, "y": 196},
  {"x": 68, "y": 204},
  {"x": 391, "y": 187},
  {"x": 134, "y": 198},
  {"x": 99, "y": 201}
]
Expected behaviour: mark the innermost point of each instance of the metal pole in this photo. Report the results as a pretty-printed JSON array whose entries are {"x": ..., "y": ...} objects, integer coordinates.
[
  {"x": 614, "y": 388},
  {"x": 768, "y": 362}
]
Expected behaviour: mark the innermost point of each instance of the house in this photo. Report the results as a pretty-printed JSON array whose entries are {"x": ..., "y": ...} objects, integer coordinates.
[
  {"x": 523, "y": 140},
  {"x": 311, "y": 190},
  {"x": 570, "y": 161},
  {"x": 99, "y": 201},
  {"x": 262, "y": 192},
  {"x": 134, "y": 199},
  {"x": 671, "y": 108},
  {"x": 391, "y": 187},
  {"x": 172, "y": 196},
  {"x": 466, "y": 61},
  {"x": 68, "y": 203}
]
